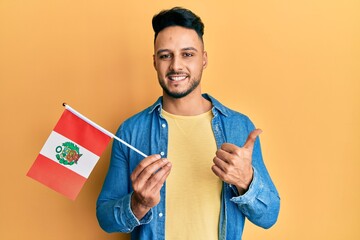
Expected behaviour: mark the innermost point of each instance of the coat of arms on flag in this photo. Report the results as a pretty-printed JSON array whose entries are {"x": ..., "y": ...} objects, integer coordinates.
[
  {"x": 71, "y": 152},
  {"x": 68, "y": 153}
]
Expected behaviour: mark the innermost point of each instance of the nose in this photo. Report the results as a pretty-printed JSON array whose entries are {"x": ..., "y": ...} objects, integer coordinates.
[{"x": 176, "y": 63}]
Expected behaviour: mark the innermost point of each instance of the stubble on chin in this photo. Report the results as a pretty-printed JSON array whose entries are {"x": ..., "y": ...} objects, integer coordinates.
[{"x": 179, "y": 94}]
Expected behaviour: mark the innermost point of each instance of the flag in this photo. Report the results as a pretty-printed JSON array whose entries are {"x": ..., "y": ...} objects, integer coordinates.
[{"x": 69, "y": 154}]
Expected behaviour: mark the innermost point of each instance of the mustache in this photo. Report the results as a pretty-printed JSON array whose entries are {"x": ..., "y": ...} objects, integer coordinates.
[{"x": 176, "y": 73}]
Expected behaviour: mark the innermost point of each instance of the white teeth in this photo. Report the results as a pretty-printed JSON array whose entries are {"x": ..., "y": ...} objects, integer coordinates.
[{"x": 179, "y": 78}]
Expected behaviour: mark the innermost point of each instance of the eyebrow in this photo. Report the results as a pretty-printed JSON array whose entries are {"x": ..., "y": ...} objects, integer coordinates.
[{"x": 183, "y": 49}]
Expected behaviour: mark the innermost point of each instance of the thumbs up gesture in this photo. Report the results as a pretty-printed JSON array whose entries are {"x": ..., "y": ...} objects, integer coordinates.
[{"x": 233, "y": 164}]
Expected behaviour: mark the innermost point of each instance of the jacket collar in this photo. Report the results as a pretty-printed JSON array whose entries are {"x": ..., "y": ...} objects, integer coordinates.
[{"x": 217, "y": 106}]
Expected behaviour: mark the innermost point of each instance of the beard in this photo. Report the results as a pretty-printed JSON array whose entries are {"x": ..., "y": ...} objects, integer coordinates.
[{"x": 180, "y": 94}]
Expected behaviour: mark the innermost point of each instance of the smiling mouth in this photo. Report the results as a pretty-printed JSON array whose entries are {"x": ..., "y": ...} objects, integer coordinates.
[{"x": 177, "y": 77}]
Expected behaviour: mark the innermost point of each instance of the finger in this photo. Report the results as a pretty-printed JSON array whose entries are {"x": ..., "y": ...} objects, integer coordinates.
[
  {"x": 251, "y": 138},
  {"x": 224, "y": 155},
  {"x": 143, "y": 179},
  {"x": 232, "y": 150},
  {"x": 152, "y": 169},
  {"x": 161, "y": 177},
  {"x": 218, "y": 172},
  {"x": 145, "y": 163},
  {"x": 145, "y": 193},
  {"x": 220, "y": 163},
  {"x": 229, "y": 147}
]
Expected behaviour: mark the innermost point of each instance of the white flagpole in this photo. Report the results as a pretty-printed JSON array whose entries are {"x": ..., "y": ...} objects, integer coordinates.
[{"x": 102, "y": 129}]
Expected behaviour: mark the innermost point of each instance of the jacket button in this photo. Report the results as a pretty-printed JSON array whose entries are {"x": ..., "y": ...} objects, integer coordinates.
[
  {"x": 161, "y": 214},
  {"x": 162, "y": 153}
]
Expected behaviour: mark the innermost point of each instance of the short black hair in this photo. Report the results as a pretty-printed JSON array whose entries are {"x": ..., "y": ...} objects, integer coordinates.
[{"x": 177, "y": 16}]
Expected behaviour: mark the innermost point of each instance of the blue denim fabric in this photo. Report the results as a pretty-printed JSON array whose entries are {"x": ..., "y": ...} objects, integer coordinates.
[{"x": 148, "y": 132}]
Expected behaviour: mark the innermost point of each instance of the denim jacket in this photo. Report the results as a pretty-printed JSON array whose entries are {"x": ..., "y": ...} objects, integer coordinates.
[{"x": 148, "y": 132}]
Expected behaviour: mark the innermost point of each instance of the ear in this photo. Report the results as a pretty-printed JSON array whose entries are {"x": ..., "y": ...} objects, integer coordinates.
[
  {"x": 154, "y": 61},
  {"x": 205, "y": 60}
]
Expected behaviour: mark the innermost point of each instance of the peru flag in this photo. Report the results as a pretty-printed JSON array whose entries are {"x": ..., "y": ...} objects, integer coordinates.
[{"x": 69, "y": 154}]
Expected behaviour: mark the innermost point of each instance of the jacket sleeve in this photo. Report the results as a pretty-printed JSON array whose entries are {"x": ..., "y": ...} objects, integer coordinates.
[
  {"x": 113, "y": 209},
  {"x": 261, "y": 203}
]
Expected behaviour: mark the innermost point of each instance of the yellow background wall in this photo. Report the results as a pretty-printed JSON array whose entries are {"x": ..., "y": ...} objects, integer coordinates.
[{"x": 292, "y": 66}]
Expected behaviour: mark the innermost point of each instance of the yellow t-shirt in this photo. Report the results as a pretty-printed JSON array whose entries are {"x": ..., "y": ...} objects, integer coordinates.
[{"x": 193, "y": 191}]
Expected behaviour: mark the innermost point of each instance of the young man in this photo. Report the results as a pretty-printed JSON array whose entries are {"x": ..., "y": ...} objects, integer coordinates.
[{"x": 206, "y": 173}]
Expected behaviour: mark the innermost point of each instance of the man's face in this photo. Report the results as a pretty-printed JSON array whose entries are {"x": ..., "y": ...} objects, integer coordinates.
[{"x": 179, "y": 59}]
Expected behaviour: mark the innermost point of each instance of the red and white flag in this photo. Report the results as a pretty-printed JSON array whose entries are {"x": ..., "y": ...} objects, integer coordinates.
[{"x": 70, "y": 153}]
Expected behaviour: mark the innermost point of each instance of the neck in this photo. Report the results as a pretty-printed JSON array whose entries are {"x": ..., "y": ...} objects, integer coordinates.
[{"x": 190, "y": 105}]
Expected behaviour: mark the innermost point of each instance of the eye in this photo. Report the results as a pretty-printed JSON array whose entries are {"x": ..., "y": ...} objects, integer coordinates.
[
  {"x": 165, "y": 56},
  {"x": 187, "y": 54}
]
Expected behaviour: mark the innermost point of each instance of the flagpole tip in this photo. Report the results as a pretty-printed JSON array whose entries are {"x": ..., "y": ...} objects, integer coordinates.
[{"x": 64, "y": 104}]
